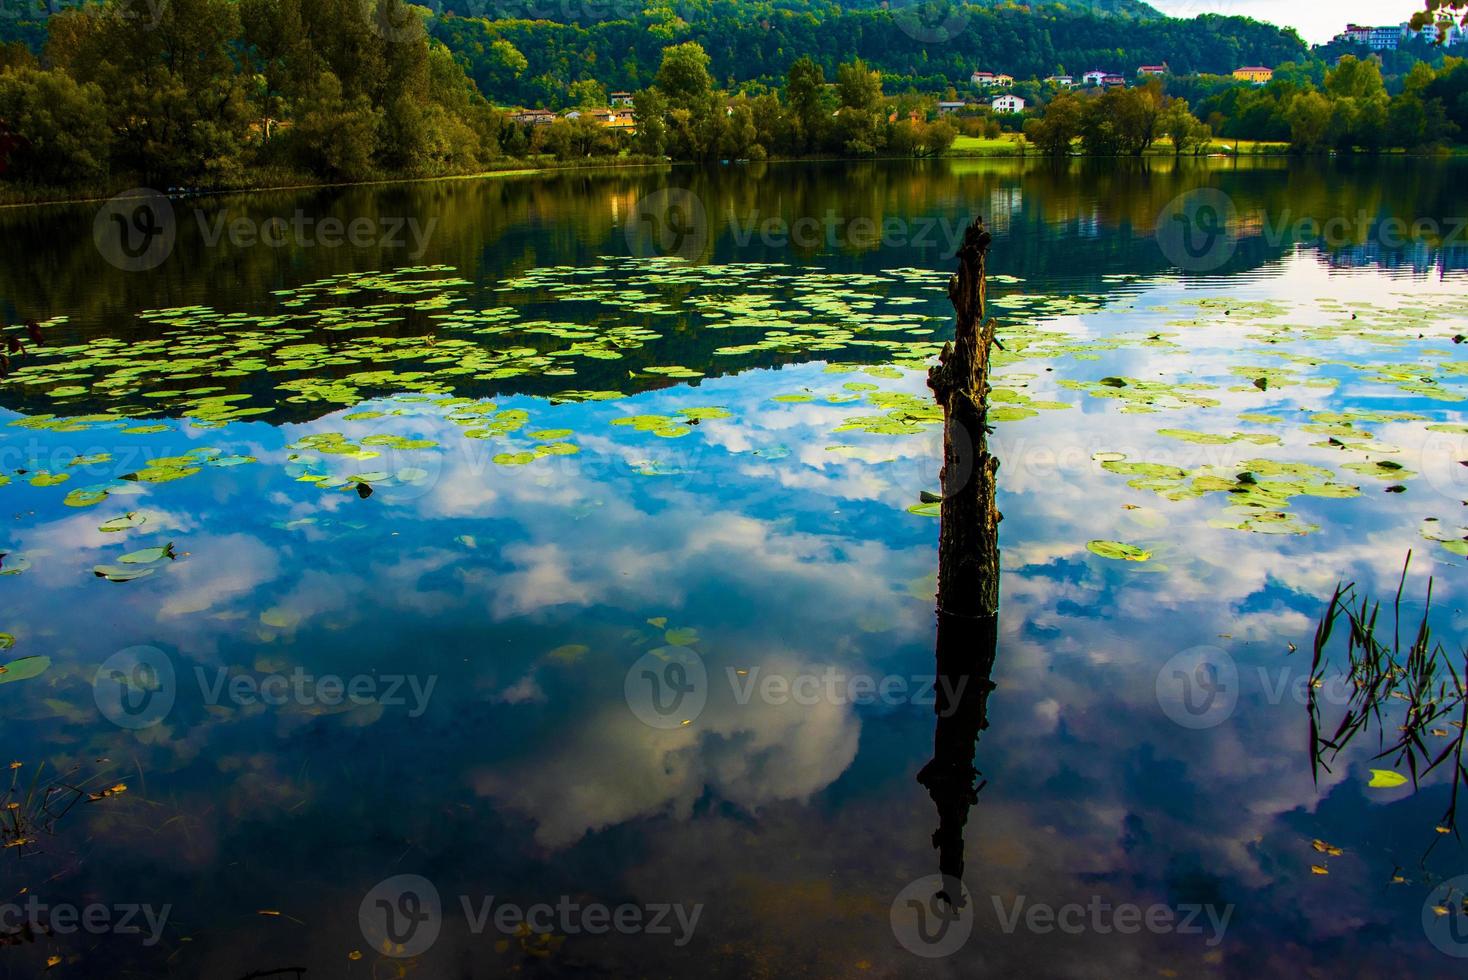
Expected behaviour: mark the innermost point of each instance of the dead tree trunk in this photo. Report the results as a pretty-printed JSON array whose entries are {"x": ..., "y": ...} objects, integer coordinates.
[{"x": 968, "y": 560}]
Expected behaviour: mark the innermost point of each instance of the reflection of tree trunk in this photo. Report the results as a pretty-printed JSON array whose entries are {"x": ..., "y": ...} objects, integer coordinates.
[{"x": 968, "y": 557}]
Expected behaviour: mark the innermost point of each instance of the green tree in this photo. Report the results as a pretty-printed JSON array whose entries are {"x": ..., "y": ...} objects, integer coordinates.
[
  {"x": 1355, "y": 79},
  {"x": 63, "y": 126},
  {"x": 805, "y": 87},
  {"x": 1060, "y": 126},
  {"x": 588, "y": 94},
  {"x": 1178, "y": 124},
  {"x": 683, "y": 77},
  {"x": 649, "y": 114},
  {"x": 1309, "y": 116}
]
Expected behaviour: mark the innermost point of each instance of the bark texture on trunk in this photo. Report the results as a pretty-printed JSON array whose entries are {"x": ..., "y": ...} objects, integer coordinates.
[{"x": 968, "y": 561}]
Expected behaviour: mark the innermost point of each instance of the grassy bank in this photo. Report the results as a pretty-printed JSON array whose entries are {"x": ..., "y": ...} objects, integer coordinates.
[{"x": 1015, "y": 145}]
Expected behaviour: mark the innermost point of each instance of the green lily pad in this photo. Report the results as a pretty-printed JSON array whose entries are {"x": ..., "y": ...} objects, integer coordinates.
[
  {"x": 24, "y": 669},
  {"x": 1118, "y": 551}
]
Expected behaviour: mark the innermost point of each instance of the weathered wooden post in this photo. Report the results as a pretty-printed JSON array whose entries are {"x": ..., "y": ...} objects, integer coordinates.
[{"x": 968, "y": 560}]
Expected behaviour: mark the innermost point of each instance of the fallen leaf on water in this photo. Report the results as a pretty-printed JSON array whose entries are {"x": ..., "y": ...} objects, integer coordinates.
[{"x": 1386, "y": 779}]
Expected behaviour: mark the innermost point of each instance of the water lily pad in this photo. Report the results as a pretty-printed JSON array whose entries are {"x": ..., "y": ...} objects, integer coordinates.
[
  {"x": 24, "y": 669},
  {"x": 1118, "y": 551}
]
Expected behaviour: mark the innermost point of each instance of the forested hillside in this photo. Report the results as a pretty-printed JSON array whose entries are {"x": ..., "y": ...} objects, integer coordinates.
[
  {"x": 531, "y": 52},
  {"x": 532, "y": 62}
]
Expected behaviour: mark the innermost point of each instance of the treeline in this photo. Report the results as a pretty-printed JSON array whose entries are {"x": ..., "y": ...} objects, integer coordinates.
[
  {"x": 686, "y": 117},
  {"x": 1118, "y": 122},
  {"x": 522, "y": 59},
  {"x": 1349, "y": 110},
  {"x": 216, "y": 92}
]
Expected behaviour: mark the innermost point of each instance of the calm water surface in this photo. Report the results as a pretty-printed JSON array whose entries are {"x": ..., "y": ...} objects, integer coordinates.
[{"x": 607, "y": 532}]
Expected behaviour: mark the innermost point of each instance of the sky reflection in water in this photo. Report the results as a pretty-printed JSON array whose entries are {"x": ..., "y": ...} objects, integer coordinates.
[{"x": 523, "y": 593}]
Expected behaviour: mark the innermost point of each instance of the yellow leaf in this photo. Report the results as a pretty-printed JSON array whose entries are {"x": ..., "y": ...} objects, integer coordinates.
[
  {"x": 1316, "y": 869},
  {"x": 1386, "y": 779}
]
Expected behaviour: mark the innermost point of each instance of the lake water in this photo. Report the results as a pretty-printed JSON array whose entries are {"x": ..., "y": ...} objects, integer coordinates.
[{"x": 556, "y": 542}]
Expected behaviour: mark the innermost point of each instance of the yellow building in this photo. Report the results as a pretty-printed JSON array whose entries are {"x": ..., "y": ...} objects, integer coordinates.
[{"x": 1255, "y": 74}]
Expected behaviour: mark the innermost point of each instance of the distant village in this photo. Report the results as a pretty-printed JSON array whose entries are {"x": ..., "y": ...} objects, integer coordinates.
[
  {"x": 1376, "y": 39},
  {"x": 994, "y": 86}
]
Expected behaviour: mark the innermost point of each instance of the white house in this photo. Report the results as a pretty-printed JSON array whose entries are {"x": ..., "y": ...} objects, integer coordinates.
[
  {"x": 946, "y": 108},
  {"x": 1060, "y": 81},
  {"x": 988, "y": 79},
  {"x": 1008, "y": 103},
  {"x": 1094, "y": 77},
  {"x": 1146, "y": 70}
]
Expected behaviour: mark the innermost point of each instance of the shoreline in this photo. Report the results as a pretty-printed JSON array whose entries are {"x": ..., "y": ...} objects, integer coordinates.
[
  {"x": 543, "y": 169},
  {"x": 89, "y": 197}
]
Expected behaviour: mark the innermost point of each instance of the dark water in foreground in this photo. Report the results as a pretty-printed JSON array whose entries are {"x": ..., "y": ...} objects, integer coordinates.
[{"x": 580, "y": 573}]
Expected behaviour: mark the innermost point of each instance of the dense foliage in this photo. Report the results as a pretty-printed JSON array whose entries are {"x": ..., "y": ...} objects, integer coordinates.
[
  {"x": 1349, "y": 109},
  {"x": 753, "y": 44},
  {"x": 234, "y": 92},
  {"x": 204, "y": 91}
]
